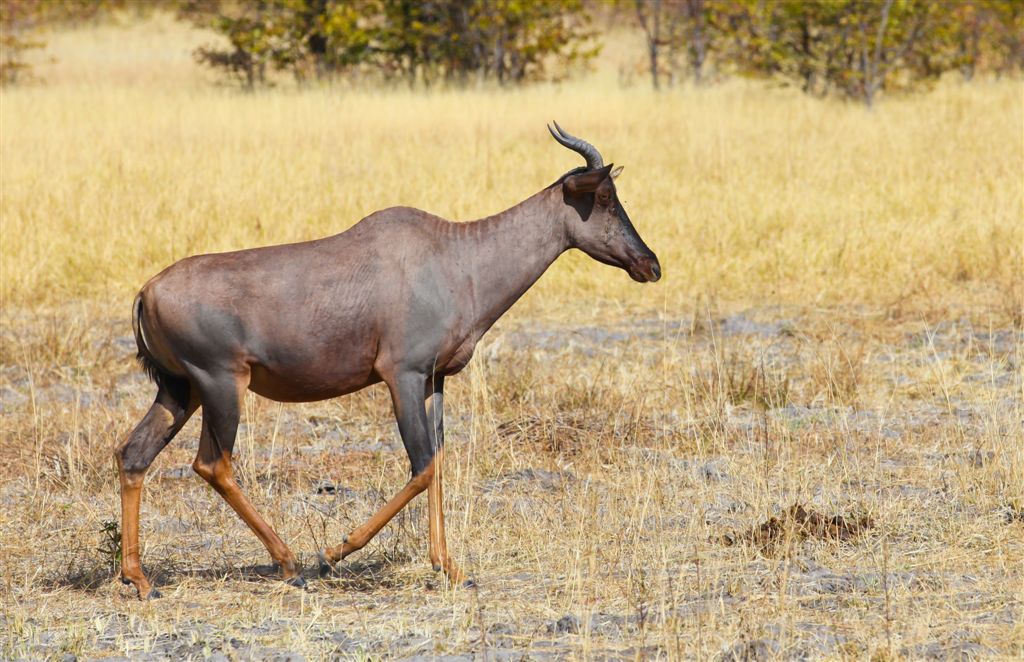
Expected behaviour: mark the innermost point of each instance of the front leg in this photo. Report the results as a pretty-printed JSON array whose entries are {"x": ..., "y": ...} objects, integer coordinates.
[
  {"x": 435, "y": 491},
  {"x": 407, "y": 390}
]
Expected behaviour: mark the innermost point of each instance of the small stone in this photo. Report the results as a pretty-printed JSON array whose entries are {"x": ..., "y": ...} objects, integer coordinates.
[
  {"x": 288, "y": 657},
  {"x": 9, "y": 399},
  {"x": 751, "y": 651},
  {"x": 1012, "y": 513},
  {"x": 501, "y": 628},
  {"x": 567, "y": 623},
  {"x": 711, "y": 472}
]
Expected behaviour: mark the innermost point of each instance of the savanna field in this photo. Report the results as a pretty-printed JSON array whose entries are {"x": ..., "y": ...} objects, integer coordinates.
[{"x": 806, "y": 441}]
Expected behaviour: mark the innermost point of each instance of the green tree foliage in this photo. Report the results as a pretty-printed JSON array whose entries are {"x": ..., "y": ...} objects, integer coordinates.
[
  {"x": 309, "y": 38},
  {"x": 985, "y": 35},
  {"x": 509, "y": 41},
  {"x": 852, "y": 48},
  {"x": 856, "y": 48}
]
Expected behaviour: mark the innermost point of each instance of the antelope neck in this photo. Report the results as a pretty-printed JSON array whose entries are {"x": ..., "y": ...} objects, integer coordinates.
[{"x": 506, "y": 253}]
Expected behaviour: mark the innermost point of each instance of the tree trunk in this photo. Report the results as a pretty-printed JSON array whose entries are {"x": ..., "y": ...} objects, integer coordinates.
[
  {"x": 698, "y": 43},
  {"x": 656, "y": 19},
  {"x": 872, "y": 79},
  {"x": 653, "y": 51},
  {"x": 652, "y": 29}
]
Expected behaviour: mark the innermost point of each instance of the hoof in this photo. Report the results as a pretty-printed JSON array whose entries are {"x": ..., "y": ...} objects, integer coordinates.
[
  {"x": 469, "y": 583},
  {"x": 326, "y": 568},
  {"x": 126, "y": 582},
  {"x": 153, "y": 594},
  {"x": 297, "y": 581}
]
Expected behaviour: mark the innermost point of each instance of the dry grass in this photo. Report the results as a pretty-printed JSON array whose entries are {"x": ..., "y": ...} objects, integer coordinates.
[
  {"x": 607, "y": 439},
  {"x": 610, "y": 494},
  {"x": 744, "y": 192}
]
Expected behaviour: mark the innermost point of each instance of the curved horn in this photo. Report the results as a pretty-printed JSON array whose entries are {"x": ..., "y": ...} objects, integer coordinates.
[{"x": 582, "y": 147}]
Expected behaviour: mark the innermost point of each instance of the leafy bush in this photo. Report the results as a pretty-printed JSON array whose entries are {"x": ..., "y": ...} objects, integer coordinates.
[
  {"x": 853, "y": 48},
  {"x": 509, "y": 41}
]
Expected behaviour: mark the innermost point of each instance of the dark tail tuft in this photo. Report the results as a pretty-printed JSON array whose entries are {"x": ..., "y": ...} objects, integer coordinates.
[{"x": 158, "y": 375}]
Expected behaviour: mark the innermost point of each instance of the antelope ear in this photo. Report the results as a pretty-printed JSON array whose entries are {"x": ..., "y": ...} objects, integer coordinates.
[
  {"x": 615, "y": 173},
  {"x": 587, "y": 182}
]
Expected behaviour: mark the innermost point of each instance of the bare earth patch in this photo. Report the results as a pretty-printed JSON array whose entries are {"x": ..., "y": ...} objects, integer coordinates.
[{"x": 799, "y": 524}]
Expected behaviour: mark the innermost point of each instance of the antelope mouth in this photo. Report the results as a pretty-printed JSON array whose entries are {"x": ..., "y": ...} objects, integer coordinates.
[{"x": 646, "y": 271}]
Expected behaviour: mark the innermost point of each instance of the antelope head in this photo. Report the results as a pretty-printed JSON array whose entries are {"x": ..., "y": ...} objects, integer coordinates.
[{"x": 600, "y": 226}]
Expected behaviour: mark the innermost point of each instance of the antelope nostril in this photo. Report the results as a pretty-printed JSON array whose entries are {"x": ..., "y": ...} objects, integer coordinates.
[{"x": 655, "y": 272}]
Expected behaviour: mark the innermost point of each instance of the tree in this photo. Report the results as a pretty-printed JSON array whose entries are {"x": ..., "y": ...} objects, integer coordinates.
[
  {"x": 985, "y": 34},
  {"x": 885, "y": 37},
  {"x": 509, "y": 41},
  {"x": 21, "y": 19},
  {"x": 18, "y": 19},
  {"x": 671, "y": 28},
  {"x": 309, "y": 38},
  {"x": 697, "y": 36},
  {"x": 851, "y": 48},
  {"x": 855, "y": 48}
]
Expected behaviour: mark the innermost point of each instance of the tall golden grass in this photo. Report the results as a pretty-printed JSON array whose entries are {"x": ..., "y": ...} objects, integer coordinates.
[{"x": 127, "y": 158}]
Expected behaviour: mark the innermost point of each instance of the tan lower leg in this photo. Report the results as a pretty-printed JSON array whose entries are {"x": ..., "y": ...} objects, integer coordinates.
[
  {"x": 131, "y": 567},
  {"x": 221, "y": 478},
  {"x": 154, "y": 430},
  {"x": 435, "y": 515},
  {"x": 363, "y": 534}
]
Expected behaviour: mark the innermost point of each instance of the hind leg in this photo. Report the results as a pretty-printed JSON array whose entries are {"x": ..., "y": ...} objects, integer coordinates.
[
  {"x": 221, "y": 395},
  {"x": 170, "y": 411}
]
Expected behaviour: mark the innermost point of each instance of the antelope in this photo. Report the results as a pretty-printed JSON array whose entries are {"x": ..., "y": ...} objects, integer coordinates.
[{"x": 402, "y": 297}]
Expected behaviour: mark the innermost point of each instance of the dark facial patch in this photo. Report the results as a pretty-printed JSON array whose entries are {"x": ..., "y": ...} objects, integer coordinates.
[
  {"x": 583, "y": 204},
  {"x": 581, "y": 189}
]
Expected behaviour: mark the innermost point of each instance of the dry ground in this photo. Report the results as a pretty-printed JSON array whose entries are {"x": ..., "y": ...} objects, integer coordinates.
[
  {"x": 603, "y": 484},
  {"x": 806, "y": 441}
]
